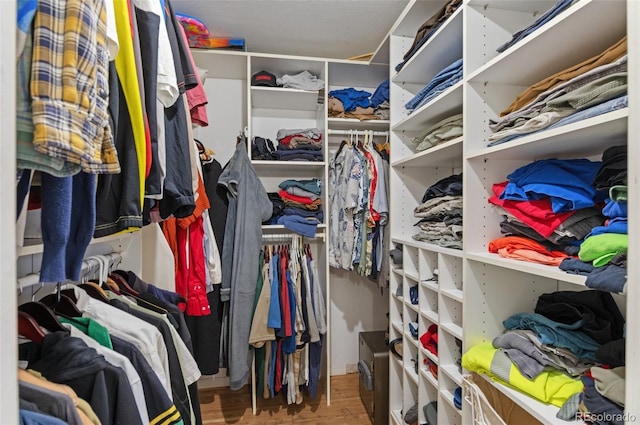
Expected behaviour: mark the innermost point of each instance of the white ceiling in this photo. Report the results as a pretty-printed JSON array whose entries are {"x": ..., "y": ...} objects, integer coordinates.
[{"x": 338, "y": 29}]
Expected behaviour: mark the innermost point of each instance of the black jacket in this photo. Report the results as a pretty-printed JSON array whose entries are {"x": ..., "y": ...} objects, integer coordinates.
[{"x": 67, "y": 360}]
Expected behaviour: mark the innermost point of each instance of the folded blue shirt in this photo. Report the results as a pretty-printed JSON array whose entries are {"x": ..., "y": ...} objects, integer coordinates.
[
  {"x": 301, "y": 225},
  {"x": 566, "y": 182},
  {"x": 352, "y": 98}
]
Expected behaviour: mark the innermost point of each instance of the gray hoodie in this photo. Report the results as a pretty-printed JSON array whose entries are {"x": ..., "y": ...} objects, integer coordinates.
[{"x": 249, "y": 206}]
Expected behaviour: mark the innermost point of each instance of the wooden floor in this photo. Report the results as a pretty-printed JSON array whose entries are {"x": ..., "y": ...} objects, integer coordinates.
[{"x": 223, "y": 406}]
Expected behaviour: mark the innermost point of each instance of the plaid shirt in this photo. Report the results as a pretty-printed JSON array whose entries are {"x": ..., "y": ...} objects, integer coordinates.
[{"x": 69, "y": 84}]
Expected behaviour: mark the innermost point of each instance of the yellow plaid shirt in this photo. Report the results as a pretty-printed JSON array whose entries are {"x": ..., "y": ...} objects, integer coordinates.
[{"x": 69, "y": 84}]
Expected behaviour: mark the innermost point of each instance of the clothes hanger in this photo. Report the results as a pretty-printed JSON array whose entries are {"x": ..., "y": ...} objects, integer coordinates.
[
  {"x": 95, "y": 291},
  {"x": 111, "y": 285},
  {"x": 63, "y": 303},
  {"x": 119, "y": 276},
  {"x": 29, "y": 328},
  {"x": 43, "y": 315}
]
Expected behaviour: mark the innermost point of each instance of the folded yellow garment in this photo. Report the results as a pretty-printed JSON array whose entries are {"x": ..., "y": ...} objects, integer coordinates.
[{"x": 553, "y": 386}]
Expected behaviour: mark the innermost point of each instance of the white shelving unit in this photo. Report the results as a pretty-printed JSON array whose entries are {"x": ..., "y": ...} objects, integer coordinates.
[
  {"x": 477, "y": 290},
  {"x": 435, "y": 270},
  {"x": 262, "y": 111},
  {"x": 495, "y": 287}
]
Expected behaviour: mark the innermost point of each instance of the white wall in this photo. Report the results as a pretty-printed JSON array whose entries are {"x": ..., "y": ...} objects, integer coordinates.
[
  {"x": 357, "y": 305},
  {"x": 227, "y": 116},
  {"x": 8, "y": 352}
]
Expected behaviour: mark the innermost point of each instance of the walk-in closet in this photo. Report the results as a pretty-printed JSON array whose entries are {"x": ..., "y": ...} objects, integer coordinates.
[{"x": 402, "y": 212}]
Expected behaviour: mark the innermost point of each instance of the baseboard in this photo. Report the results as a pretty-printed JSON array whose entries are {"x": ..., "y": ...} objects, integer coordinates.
[{"x": 213, "y": 381}]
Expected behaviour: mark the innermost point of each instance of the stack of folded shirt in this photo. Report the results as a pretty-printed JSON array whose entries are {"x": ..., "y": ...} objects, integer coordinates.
[
  {"x": 550, "y": 205},
  {"x": 298, "y": 206},
  {"x": 444, "y": 130},
  {"x": 438, "y": 84},
  {"x": 360, "y": 104},
  {"x": 441, "y": 213},
  {"x": 542, "y": 353},
  {"x": 603, "y": 254},
  {"x": 299, "y": 145},
  {"x": 593, "y": 87}
]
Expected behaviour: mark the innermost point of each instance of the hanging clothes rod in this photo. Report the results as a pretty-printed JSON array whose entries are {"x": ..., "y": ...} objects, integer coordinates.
[
  {"x": 89, "y": 266},
  {"x": 349, "y": 132},
  {"x": 287, "y": 236}
]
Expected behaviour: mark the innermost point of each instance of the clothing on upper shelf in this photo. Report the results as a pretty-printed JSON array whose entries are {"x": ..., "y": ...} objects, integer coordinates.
[
  {"x": 579, "y": 96},
  {"x": 360, "y": 104},
  {"x": 438, "y": 84},
  {"x": 613, "y": 53},
  {"x": 428, "y": 28},
  {"x": 358, "y": 202},
  {"x": 352, "y": 98},
  {"x": 595, "y": 86},
  {"x": 557, "y": 8},
  {"x": 303, "y": 80}
]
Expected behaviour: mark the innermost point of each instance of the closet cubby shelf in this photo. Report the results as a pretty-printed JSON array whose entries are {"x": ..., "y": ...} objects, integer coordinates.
[
  {"x": 427, "y": 246},
  {"x": 429, "y": 354},
  {"x": 409, "y": 338},
  {"x": 281, "y": 226},
  {"x": 411, "y": 373},
  {"x": 35, "y": 246},
  {"x": 452, "y": 328},
  {"x": 398, "y": 297},
  {"x": 454, "y": 294},
  {"x": 452, "y": 372},
  {"x": 356, "y": 124},
  {"x": 430, "y": 285},
  {"x": 441, "y": 50},
  {"x": 413, "y": 307},
  {"x": 545, "y": 413},
  {"x": 396, "y": 416},
  {"x": 583, "y": 138},
  {"x": 447, "y": 395},
  {"x": 447, "y": 103},
  {"x": 579, "y": 27},
  {"x": 430, "y": 315},
  {"x": 396, "y": 360},
  {"x": 287, "y": 167},
  {"x": 397, "y": 270},
  {"x": 221, "y": 64},
  {"x": 429, "y": 377},
  {"x": 412, "y": 275},
  {"x": 527, "y": 267},
  {"x": 447, "y": 154},
  {"x": 284, "y": 98},
  {"x": 397, "y": 327}
]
